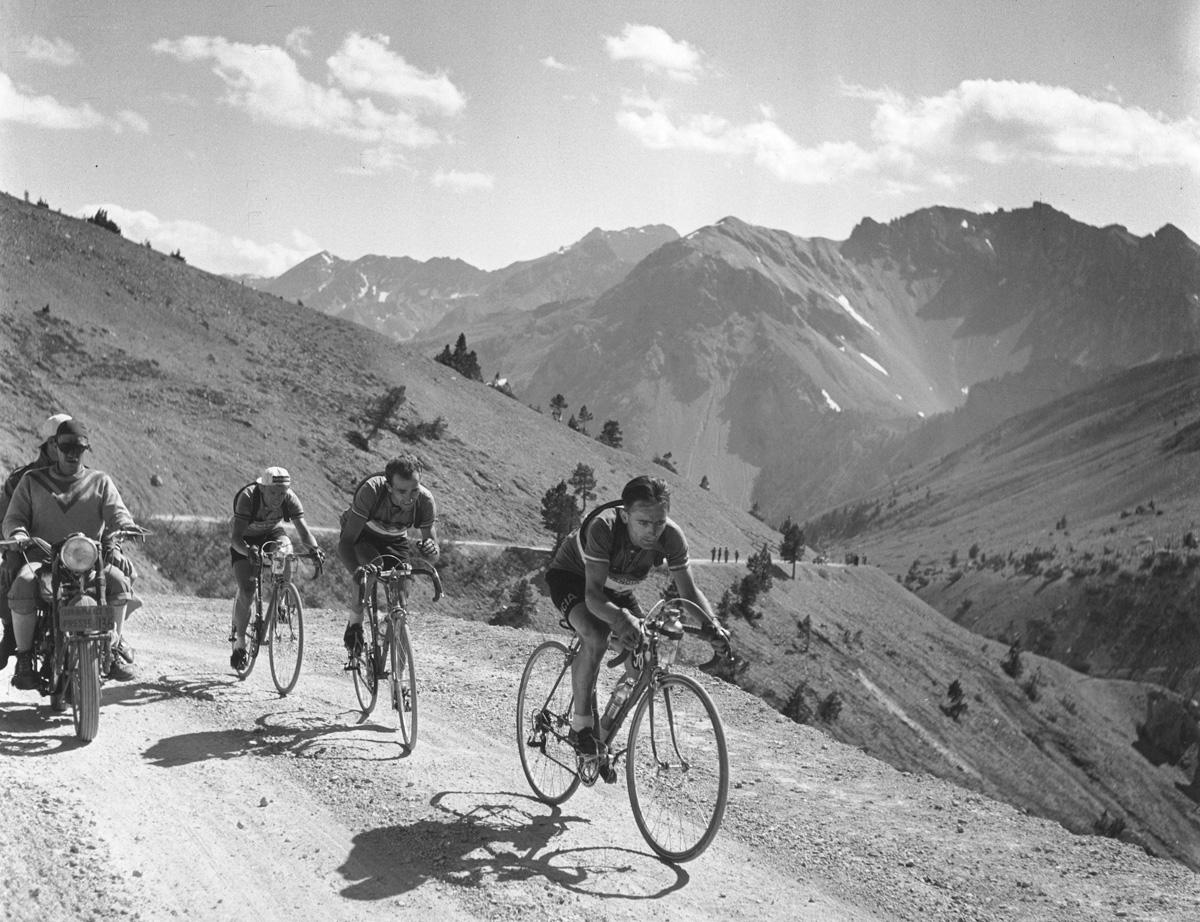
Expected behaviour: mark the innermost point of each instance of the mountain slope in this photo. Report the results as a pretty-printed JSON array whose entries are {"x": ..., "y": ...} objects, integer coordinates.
[
  {"x": 200, "y": 382},
  {"x": 733, "y": 346}
]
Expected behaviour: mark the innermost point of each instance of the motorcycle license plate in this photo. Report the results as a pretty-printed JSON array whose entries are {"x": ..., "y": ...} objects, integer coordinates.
[{"x": 86, "y": 618}]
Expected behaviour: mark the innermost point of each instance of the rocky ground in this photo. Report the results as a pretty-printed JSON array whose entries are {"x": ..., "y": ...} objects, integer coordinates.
[{"x": 208, "y": 798}]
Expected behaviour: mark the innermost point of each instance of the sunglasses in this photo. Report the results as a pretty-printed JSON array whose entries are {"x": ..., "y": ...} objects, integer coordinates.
[{"x": 72, "y": 449}]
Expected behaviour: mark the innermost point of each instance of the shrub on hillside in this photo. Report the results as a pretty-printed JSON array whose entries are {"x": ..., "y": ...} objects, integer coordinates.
[
  {"x": 421, "y": 430},
  {"x": 1011, "y": 663},
  {"x": 101, "y": 219}
]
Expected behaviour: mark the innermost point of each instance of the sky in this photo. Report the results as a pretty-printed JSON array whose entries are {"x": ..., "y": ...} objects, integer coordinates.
[{"x": 251, "y": 135}]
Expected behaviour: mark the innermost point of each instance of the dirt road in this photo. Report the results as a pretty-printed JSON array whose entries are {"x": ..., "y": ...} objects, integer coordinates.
[{"x": 208, "y": 798}]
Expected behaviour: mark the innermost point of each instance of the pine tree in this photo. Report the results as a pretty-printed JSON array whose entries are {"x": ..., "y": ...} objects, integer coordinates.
[
  {"x": 560, "y": 512},
  {"x": 584, "y": 418},
  {"x": 791, "y": 548},
  {"x": 583, "y": 485},
  {"x": 610, "y": 434},
  {"x": 558, "y": 403}
]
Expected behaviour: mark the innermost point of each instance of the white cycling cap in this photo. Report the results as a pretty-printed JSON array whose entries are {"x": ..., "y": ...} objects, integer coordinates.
[{"x": 272, "y": 475}]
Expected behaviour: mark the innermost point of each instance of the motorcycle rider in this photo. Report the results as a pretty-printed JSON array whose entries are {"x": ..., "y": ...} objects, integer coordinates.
[
  {"x": 52, "y": 503},
  {"x": 47, "y": 455}
]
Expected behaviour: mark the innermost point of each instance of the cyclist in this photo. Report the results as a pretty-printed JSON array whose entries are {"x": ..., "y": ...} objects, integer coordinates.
[
  {"x": 52, "y": 503},
  {"x": 47, "y": 455},
  {"x": 259, "y": 510},
  {"x": 591, "y": 579},
  {"x": 384, "y": 507}
]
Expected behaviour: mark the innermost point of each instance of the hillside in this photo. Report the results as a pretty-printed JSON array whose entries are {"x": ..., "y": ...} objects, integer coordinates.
[
  {"x": 200, "y": 382},
  {"x": 1067, "y": 527}
]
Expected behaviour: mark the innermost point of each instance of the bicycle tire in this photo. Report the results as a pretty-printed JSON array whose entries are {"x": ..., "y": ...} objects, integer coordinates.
[
  {"x": 677, "y": 768},
  {"x": 366, "y": 672},
  {"x": 83, "y": 687},
  {"x": 402, "y": 683},
  {"x": 544, "y": 702},
  {"x": 285, "y": 637}
]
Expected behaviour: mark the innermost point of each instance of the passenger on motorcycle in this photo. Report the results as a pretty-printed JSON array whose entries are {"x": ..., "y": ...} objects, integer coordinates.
[
  {"x": 384, "y": 507},
  {"x": 47, "y": 455},
  {"x": 51, "y": 503},
  {"x": 259, "y": 511}
]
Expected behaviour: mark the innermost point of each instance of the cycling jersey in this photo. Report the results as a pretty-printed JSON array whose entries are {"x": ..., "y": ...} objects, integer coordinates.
[
  {"x": 607, "y": 541},
  {"x": 262, "y": 521},
  {"x": 384, "y": 520}
]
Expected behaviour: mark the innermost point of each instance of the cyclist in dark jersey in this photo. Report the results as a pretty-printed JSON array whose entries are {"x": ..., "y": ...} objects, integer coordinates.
[
  {"x": 385, "y": 506},
  {"x": 591, "y": 580}
]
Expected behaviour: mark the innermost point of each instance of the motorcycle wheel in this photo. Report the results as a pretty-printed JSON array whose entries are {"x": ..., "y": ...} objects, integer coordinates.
[{"x": 83, "y": 680}]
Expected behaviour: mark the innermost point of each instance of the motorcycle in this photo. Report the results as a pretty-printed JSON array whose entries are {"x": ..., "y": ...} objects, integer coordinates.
[{"x": 72, "y": 647}]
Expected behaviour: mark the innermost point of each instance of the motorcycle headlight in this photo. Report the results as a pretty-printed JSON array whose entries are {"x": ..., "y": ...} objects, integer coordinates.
[{"x": 78, "y": 553}]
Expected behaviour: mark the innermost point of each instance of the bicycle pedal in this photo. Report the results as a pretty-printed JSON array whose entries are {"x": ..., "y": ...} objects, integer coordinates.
[{"x": 608, "y": 773}]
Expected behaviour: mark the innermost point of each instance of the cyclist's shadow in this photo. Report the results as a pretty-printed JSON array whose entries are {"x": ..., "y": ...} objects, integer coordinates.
[
  {"x": 305, "y": 736},
  {"x": 501, "y": 836}
]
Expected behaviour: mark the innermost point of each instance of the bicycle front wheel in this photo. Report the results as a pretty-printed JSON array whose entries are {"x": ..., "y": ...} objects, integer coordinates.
[
  {"x": 255, "y": 633},
  {"x": 83, "y": 677},
  {"x": 365, "y": 672},
  {"x": 544, "y": 703},
  {"x": 285, "y": 637},
  {"x": 677, "y": 768},
  {"x": 402, "y": 680}
]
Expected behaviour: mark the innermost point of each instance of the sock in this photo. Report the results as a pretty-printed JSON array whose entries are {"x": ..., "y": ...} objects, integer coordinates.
[{"x": 579, "y": 721}]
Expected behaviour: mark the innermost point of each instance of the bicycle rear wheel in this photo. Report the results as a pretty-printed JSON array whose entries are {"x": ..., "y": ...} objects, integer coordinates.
[
  {"x": 677, "y": 768},
  {"x": 285, "y": 636},
  {"x": 366, "y": 675},
  {"x": 83, "y": 678},
  {"x": 402, "y": 682},
  {"x": 544, "y": 702}
]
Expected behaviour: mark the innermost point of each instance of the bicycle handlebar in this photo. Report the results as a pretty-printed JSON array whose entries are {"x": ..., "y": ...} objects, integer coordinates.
[{"x": 387, "y": 567}]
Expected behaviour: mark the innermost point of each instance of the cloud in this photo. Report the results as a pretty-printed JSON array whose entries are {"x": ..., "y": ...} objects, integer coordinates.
[
  {"x": 297, "y": 41},
  {"x": 58, "y": 51},
  {"x": 1004, "y": 121},
  {"x": 655, "y": 52},
  {"x": 763, "y": 142},
  {"x": 932, "y": 141},
  {"x": 265, "y": 82},
  {"x": 207, "y": 248},
  {"x": 462, "y": 182},
  {"x": 366, "y": 65},
  {"x": 550, "y": 62},
  {"x": 17, "y": 105}
]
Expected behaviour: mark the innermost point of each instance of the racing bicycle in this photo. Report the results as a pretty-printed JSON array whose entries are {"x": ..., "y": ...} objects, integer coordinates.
[
  {"x": 386, "y": 655},
  {"x": 280, "y": 628},
  {"x": 676, "y": 762}
]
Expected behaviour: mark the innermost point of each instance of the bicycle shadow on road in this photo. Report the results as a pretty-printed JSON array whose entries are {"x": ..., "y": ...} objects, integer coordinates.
[
  {"x": 163, "y": 689},
  {"x": 274, "y": 734},
  {"x": 493, "y": 837}
]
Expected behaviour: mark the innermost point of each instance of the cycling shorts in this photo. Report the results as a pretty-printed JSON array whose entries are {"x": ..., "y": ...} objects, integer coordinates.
[
  {"x": 569, "y": 589},
  {"x": 257, "y": 541}
]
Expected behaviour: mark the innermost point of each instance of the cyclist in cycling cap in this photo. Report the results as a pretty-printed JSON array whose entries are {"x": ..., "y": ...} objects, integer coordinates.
[
  {"x": 47, "y": 455},
  {"x": 259, "y": 510}
]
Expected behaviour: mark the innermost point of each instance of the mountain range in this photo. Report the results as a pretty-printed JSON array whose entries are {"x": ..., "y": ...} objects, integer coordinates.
[{"x": 796, "y": 373}]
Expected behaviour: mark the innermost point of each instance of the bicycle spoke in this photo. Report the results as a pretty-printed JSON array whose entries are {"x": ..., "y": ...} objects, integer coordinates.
[
  {"x": 366, "y": 672},
  {"x": 677, "y": 768},
  {"x": 544, "y": 703}
]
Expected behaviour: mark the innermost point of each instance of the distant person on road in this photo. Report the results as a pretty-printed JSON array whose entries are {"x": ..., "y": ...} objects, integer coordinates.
[
  {"x": 725, "y": 551},
  {"x": 736, "y": 555},
  {"x": 47, "y": 455},
  {"x": 259, "y": 511},
  {"x": 591, "y": 580},
  {"x": 51, "y": 503},
  {"x": 384, "y": 507}
]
